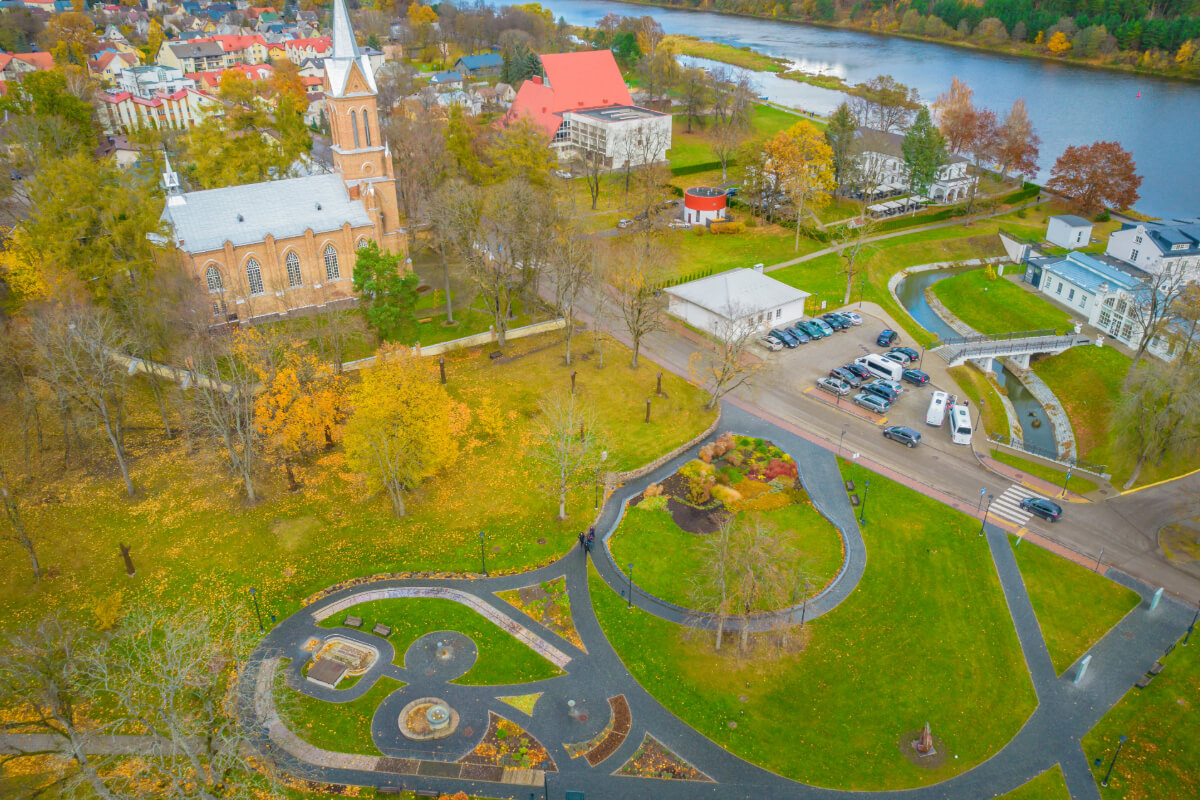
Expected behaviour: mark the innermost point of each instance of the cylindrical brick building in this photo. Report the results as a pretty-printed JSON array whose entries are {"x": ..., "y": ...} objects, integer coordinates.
[{"x": 703, "y": 204}]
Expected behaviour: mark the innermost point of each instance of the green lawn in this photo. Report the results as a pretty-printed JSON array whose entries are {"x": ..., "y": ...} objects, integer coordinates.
[
  {"x": 998, "y": 306},
  {"x": 1050, "y": 785},
  {"x": 743, "y": 57},
  {"x": 1075, "y": 606},
  {"x": 666, "y": 558},
  {"x": 695, "y": 252},
  {"x": 688, "y": 149},
  {"x": 1160, "y": 758},
  {"x": 1078, "y": 482},
  {"x": 502, "y": 659},
  {"x": 977, "y": 387},
  {"x": 340, "y": 727},
  {"x": 193, "y": 536},
  {"x": 1087, "y": 381},
  {"x": 922, "y": 638}
]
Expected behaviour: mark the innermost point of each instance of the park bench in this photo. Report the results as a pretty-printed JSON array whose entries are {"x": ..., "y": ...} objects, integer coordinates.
[
  {"x": 426, "y": 793},
  {"x": 353, "y": 622},
  {"x": 1144, "y": 682},
  {"x": 381, "y": 630},
  {"x": 1157, "y": 668}
]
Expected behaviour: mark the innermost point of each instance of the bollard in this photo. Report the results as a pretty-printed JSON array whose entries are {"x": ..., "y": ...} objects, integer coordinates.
[
  {"x": 442, "y": 367},
  {"x": 647, "y": 409}
]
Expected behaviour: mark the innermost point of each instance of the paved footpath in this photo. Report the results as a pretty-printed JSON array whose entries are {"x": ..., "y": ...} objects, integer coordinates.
[{"x": 597, "y": 681}]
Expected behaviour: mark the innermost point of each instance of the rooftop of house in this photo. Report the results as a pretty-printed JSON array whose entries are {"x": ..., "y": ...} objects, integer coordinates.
[
  {"x": 1179, "y": 237},
  {"x": 1094, "y": 273},
  {"x": 588, "y": 79},
  {"x": 618, "y": 113},
  {"x": 1073, "y": 221},
  {"x": 449, "y": 76},
  {"x": 247, "y": 214},
  {"x": 891, "y": 144},
  {"x": 481, "y": 61},
  {"x": 737, "y": 293}
]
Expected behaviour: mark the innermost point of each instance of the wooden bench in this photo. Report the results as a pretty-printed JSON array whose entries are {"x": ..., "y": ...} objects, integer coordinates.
[
  {"x": 849, "y": 486},
  {"x": 1157, "y": 668},
  {"x": 353, "y": 622},
  {"x": 1144, "y": 682},
  {"x": 382, "y": 630},
  {"x": 426, "y": 793}
]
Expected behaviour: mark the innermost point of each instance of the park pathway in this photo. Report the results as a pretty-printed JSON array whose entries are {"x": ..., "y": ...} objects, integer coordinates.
[{"x": 596, "y": 679}]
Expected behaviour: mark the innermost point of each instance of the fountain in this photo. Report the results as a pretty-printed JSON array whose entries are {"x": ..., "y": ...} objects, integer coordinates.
[
  {"x": 428, "y": 718},
  {"x": 438, "y": 716}
]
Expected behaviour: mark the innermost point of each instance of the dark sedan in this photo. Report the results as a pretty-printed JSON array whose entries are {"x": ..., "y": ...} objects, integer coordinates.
[
  {"x": 859, "y": 370},
  {"x": 905, "y": 436},
  {"x": 912, "y": 355},
  {"x": 1041, "y": 507},
  {"x": 915, "y": 377},
  {"x": 887, "y": 337},
  {"x": 843, "y": 374},
  {"x": 800, "y": 334},
  {"x": 883, "y": 390},
  {"x": 835, "y": 321}
]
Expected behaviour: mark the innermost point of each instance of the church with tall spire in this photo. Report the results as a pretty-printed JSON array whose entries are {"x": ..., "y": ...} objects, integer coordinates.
[{"x": 274, "y": 249}]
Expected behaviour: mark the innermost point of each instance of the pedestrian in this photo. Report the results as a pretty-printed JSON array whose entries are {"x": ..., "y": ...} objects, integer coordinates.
[
  {"x": 591, "y": 538},
  {"x": 583, "y": 541}
]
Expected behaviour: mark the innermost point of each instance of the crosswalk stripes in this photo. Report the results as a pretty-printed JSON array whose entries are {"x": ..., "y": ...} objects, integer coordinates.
[{"x": 1008, "y": 504}]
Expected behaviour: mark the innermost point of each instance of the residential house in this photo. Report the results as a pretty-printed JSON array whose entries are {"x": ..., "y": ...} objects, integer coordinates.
[
  {"x": 14, "y": 66},
  {"x": 194, "y": 56},
  {"x": 123, "y": 112},
  {"x": 146, "y": 81},
  {"x": 505, "y": 93},
  {"x": 470, "y": 104},
  {"x": 106, "y": 67},
  {"x": 1171, "y": 246},
  {"x": 729, "y": 304},
  {"x": 119, "y": 150},
  {"x": 583, "y": 105},
  {"x": 268, "y": 250},
  {"x": 211, "y": 81},
  {"x": 1068, "y": 230},
  {"x": 446, "y": 81},
  {"x": 300, "y": 50},
  {"x": 481, "y": 66},
  {"x": 882, "y": 157}
]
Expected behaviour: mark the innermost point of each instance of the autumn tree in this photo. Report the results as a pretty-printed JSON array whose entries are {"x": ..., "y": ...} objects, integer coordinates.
[
  {"x": 1017, "y": 143},
  {"x": 732, "y": 110},
  {"x": 71, "y": 37},
  {"x": 47, "y": 118},
  {"x": 805, "y": 168},
  {"x": 300, "y": 408},
  {"x": 76, "y": 345},
  {"x": 1098, "y": 175},
  {"x": 403, "y": 427},
  {"x": 258, "y": 137},
  {"x": 635, "y": 278},
  {"x": 924, "y": 153},
  {"x": 572, "y": 269},
  {"x": 957, "y": 116},
  {"x": 521, "y": 149},
  {"x": 695, "y": 94},
  {"x": 884, "y": 104},
  {"x": 722, "y": 367},
  {"x": 840, "y": 132},
  {"x": 462, "y": 146},
  {"x": 657, "y": 72},
  {"x": 387, "y": 293},
  {"x": 1059, "y": 43},
  {"x": 567, "y": 443}
]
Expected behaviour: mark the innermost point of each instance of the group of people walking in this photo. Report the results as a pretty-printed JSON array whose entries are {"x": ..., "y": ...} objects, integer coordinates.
[{"x": 587, "y": 539}]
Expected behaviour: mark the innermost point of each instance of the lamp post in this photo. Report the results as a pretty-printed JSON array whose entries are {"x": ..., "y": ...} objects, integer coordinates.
[
  {"x": 1066, "y": 481},
  {"x": 629, "y": 598},
  {"x": 603, "y": 457},
  {"x": 983, "y": 524},
  {"x": 862, "y": 512},
  {"x": 1191, "y": 627},
  {"x": 979, "y": 505},
  {"x": 257, "y": 612},
  {"x": 1120, "y": 743},
  {"x": 842, "y": 439},
  {"x": 482, "y": 554}
]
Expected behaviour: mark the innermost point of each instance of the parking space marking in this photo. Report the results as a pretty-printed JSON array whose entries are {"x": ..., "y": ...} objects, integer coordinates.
[{"x": 848, "y": 407}]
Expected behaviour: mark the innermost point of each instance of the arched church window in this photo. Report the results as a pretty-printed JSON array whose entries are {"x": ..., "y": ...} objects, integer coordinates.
[
  {"x": 293, "y": 269},
  {"x": 212, "y": 276},
  {"x": 354, "y": 126},
  {"x": 366, "y": 127},
  {"x": 331, "y": 264},
  {"x": 254, "y": 276}
]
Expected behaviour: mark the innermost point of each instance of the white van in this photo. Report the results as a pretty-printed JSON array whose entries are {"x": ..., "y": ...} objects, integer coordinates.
[
  {"x": 880, "y": 367},
  {"x": 936, "y": 414},
  {"x": 960, "y": 424}
]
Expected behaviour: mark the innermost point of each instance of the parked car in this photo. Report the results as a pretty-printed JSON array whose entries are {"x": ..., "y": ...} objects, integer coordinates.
[
  {"x": 770, "y": 343},
  {"x": 825, "y": 327},
  {"x": 625, "y": 223},
  {"x": 882, "y": 390},
  {"x": 852, "y": 317},
  {"x": 731, "y": 191},
  {"x": 903, "y": 435},
  {"x": 680, "y": 224},
  {"x": 915, "y": 377},
  {"x": 562, "y": 173},
  {"x": 835, "y": 322},
  {"x": 859, "y": 370},
  {"x": 899, "y": 358},
  {"x": 833, "y": 386},
  {"x": 871, "y": 402},
  {"x": 846, "y": 375},
  {"x": 777, "y": 336},
  {"x": 912, "y": 356},
  {"x": 1043, "y": 508},
  {"x": 812, "y": 330},
  {"x": 895, "y": 386},
  {"x": 789, "y": 341},
  {"x": 887, "y": 337}
]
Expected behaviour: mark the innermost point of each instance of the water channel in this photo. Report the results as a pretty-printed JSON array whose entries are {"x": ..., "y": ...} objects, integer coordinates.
[
  {"x": 1156, "y": 119},
  {"x": 911, "y": 291}
]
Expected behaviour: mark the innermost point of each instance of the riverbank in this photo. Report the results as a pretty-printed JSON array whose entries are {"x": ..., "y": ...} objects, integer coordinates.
[{"x": 1128, "y": 69}]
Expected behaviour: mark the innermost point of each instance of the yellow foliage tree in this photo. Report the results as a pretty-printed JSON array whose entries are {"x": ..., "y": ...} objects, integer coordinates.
[
  {"x": 521, "y": 149},
  {"x": 301, "y": 407},
  {"x": 1059, "y": 43},
  {"x": 802, "y": 163},
  {"x": 421, "y": 15},
  {"x": 404, "y": 426},
  {"x": 1185, "y": 54}
]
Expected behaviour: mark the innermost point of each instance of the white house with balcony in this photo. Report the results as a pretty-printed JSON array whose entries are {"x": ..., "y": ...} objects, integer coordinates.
[
  {"x": 881, "y": 155},
  {"x": 1157, "y": 247}
]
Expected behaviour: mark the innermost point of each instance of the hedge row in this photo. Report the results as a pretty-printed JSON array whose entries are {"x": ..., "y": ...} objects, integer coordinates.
[{"x": 694, "y": 168}]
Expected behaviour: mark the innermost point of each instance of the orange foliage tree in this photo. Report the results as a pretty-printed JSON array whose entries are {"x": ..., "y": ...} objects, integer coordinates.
[{"x": 1096, "y": 175}]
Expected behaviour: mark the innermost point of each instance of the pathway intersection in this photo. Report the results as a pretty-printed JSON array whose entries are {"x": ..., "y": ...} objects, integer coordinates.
[{"x": 612, "y": 713}]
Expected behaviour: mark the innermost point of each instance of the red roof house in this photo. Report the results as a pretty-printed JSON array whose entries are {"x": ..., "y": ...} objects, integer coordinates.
[{"x": 587, "y": 79}]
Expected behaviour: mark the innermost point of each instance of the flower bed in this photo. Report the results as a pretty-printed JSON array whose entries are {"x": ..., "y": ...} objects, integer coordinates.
[{"x": 654, "y": 760}]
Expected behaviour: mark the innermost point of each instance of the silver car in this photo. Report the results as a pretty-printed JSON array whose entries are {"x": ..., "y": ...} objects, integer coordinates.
[
  {"x": 871, "y": 402},
  {"x": 771, "y": 344},
  {"x": 834, "y": 386}
]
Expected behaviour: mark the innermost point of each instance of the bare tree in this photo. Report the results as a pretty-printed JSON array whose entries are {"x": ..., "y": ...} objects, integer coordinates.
[
  {"x": 712, "y": 587},
  {"x": 592, "y": 163},
  {"x": 573, "y": 271},
  {"x": 639, "y": 300},
  {"x": 732, "y": 110},
  {"x": 867, "y": 166},
  {"x": 12, "y": 512},
  {"x": 724, "y": 367},
  {"x": 1159, "y": 414},
  {"x": 884, "y": 104},
  {"x": 569, "y": 443},
  {"x": 1153, "y": 305},
  {"x": 695, "y": 93},
  {"x": 854, "y": 243},
  {"x": 76, "y": 346}
]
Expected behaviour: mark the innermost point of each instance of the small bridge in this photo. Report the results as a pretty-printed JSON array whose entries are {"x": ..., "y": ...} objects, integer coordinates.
[{"x": 1018, "y": 345}]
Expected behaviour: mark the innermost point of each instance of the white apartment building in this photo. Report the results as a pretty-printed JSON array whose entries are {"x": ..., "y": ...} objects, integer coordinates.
[
  {"x": 1157, "y": 247},
  {"x": 623, "y": 134},
  {"x": 883, "y": 157}
]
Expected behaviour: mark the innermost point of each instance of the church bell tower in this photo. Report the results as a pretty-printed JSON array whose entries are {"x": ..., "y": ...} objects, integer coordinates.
[{"x": 359, "y": 152}]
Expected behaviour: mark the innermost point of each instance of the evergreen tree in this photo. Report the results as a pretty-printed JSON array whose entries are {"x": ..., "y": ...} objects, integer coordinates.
[
  {"x": 388, "y": 293},
  {"x": 924, "y": 152},
  {"x": 840, "y": 135}
]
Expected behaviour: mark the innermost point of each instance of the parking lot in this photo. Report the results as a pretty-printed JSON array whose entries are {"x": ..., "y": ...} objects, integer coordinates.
[{"x": 799, "y": 368}]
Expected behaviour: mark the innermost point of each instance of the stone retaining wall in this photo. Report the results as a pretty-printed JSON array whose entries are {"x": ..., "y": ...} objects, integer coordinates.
[{"x": 477, "y": 340}]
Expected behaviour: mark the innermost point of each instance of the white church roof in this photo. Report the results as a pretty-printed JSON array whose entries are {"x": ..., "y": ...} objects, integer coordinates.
[
  {"x": 737, "y": 293},
  {"x": 247, "y": 214}
]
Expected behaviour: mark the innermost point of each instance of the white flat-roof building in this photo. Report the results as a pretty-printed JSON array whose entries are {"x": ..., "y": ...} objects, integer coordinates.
[
  {"x": 621, "y": 133},
  {"x": 729, "y": 302},
  {"x": 1068, "y": 230}
]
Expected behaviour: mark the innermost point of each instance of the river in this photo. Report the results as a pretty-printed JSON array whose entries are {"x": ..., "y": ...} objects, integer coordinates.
[
  {"x": 911, "y": 291},
  {"x": 1068, "y": 104}
]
